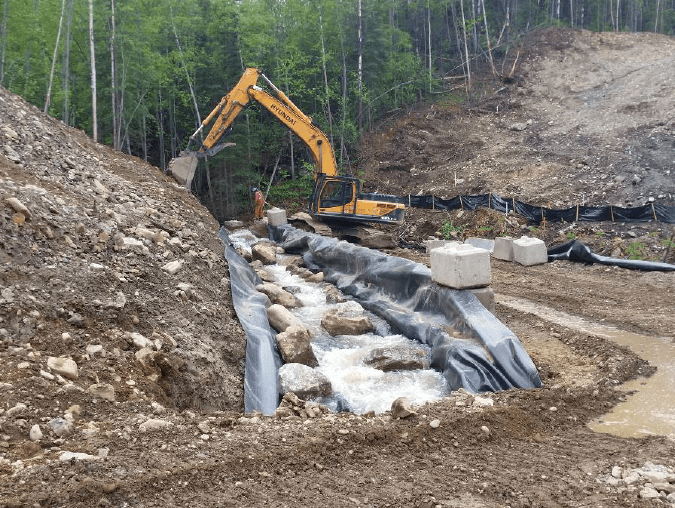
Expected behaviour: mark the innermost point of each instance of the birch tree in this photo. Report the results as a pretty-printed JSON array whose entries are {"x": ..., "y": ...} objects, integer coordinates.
[
  {"x": 92, "y": 64},
  {"x": 3, "y": 36},
  {"x": 56, "y": 48}
]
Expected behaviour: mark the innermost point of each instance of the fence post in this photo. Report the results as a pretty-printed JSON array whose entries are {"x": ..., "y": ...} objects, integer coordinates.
[
  {"x": 577, "y": 219},
  {"x": 611, "y": 212},
  {"x": 654, "y": 212}
]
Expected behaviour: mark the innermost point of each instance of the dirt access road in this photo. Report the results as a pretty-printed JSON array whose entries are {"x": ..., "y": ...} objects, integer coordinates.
[{"x": 106, "y": 266}]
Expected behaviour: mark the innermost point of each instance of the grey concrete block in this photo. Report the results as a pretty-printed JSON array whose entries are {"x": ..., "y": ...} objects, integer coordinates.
[
  {"x": 276, "y": 217},
  {"x": 461, "y": 266},
  {"x": 503, "y": 248},
  {"x": 481, "y": 243},
  {"x": 435, "y": 244},
  {"x": 529, "y": 251}
]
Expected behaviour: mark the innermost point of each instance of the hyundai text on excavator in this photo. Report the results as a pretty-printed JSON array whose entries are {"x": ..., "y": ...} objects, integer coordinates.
[{"x": 334, "y": 197}]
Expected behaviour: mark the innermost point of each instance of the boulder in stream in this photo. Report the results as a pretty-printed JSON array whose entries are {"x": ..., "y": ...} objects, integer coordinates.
[
  {"x": 279, "y": 295},
  {"x": 345, "y": 319},
  {"x": 281, "y": 318},
  {"x": 388, "y": 359},
  {"x": 265, "y": 252},
  {"x": 295, "y": 346},
  {"x": 304, "y": 381}
]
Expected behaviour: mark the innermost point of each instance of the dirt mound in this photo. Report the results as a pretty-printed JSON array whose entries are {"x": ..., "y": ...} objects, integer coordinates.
[
  {"x": 588, "y": 120},
  {"x": 84, "y": 269}
]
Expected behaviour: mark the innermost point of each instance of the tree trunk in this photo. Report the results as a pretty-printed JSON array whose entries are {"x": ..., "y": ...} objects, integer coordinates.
[
  {"x": 3, "y": 36},
  {"x": 160, "y": 129},
  {"x": 429, "y": 41},
  {"x": 48, "y": 98},
  {"x": 487, "y": 37},
  {"x": 656, "y": 24},
  {"x": 113, "y": 78},
  {"x": 66, "y": 84},
  {"x": 325, "y": 80},
  {"x": 94, "y": 119},
  {"x": 466, "y": 51},
  {"x": 360, "y": 68}
]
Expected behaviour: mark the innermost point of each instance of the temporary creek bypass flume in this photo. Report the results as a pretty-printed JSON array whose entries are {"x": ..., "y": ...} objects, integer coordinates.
[{"x": 468, "y": 346}]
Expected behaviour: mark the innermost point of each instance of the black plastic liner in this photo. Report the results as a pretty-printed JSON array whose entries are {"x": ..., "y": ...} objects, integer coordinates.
[
  {"x": 261, "y": 376},
  {"x": 646, "y": 213},
  {"x": 578, "y": 251},
  {"x": 490, "y": 358}
]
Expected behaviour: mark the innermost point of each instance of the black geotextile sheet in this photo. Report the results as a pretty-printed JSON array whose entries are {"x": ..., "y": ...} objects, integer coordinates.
[
  {"x": 577, "y": 251},
  {"x": 489, "y": 358},
  {"x": 261, "y": 377},
  {"x": 645, "y": 213}
]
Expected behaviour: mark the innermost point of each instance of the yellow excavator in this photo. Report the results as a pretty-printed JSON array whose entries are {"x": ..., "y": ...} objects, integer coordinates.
[{"x": 334, "y": 198}]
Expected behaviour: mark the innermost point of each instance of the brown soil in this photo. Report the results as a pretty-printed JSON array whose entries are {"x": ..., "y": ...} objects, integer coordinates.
[{"x": 65, "y": 269}]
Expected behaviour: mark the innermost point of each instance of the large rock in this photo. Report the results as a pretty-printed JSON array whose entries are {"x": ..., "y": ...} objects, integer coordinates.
[
  {"x": 103, "y": 390},
  {"x": 66, "y": 367},
  {"x": 388, "y": 359},
  {"x": 295, "y": 346},
  {"x": 279, "y": 295},
  {"x": 265, "y": 252},
  {"x": 344, "y": 320},
  {"x": 281, "y": 318},
  {"x": 304, "y": 381},
  {"x": 401, "y": 408}
]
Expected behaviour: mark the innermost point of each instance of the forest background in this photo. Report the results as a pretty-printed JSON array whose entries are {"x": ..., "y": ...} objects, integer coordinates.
[{"x": 139, "y": 75}]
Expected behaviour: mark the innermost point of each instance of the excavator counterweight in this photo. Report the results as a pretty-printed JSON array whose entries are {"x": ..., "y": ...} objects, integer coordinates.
[{"x": 334, "y": 197}]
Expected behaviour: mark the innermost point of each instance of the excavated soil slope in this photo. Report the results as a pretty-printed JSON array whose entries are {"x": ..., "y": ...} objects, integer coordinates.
[{"x": 117, "y": 269}]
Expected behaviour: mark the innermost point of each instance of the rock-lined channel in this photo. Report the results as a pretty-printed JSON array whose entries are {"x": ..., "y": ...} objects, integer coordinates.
[{"x": 357, "y": 386}]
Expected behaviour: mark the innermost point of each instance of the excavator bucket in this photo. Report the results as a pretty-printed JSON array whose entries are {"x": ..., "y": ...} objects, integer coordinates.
[{"x": 183, "y": 168}]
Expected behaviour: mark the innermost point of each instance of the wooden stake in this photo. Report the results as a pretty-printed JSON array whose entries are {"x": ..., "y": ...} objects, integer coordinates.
[
  {"x": 611, "y": 212},
  {"x": 654, "y": 212},
  {"x": 577, "y": 220}
]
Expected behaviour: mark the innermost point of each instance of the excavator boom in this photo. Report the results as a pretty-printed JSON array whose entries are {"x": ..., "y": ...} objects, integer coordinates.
[{"x": 334, "y": 197}]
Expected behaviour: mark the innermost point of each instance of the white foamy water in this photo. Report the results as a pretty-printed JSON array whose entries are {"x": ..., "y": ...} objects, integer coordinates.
[{"x": 356, "y": 386}]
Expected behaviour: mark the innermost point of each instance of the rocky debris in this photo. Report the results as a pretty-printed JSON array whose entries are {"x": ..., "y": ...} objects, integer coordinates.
[
  {"x": 154, "y": 424},
  {"x": 35, "y": 433},
  {"x": 65, "y": 367},
  {"x": 279, "y": 296},
  {"x": 401, "y": 408},
  {"x": 281, "y": 318},
  {"x": 103, "y": 390},
  {"x": 397, "y": 358},
  {"x": 651, "y": 481},
  {"x": 333, "y": 294},
  {"x": 293, "y": 406},
  {"x": 264, "y": 252},
  {"x": 344, "y": 320},
  {"x": 295, "y": 346},
  {"x": 304, "y": 381},
  {"x": 19, "y": 207}
]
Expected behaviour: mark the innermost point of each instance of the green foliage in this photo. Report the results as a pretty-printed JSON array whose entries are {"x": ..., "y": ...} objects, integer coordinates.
[
  {"x": 636, "y": 250},
  {"x": 571, "y": 235},
  {"x": 291, "y": 193},
  {"x": 449, "y": 228}
]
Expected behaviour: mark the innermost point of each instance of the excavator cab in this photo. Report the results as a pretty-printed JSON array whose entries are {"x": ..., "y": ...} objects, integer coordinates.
[{"x": 337, "y": 199}]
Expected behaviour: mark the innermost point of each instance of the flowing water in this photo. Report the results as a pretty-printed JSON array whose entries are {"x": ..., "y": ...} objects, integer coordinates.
[
  {"x": 651, "y": 409},
  {"x": 356, "y": 386}
]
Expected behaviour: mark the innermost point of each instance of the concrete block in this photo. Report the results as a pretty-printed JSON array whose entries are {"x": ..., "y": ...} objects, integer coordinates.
[
  {"x": 485, "y": 296},
  {"x": 529, "y": 251},
  {"x": 481, "y": 243},
  {"x": 503, "y": 248},
  {"x": 435, "y": 244},
  {"x": 461, "y": 266},
  {"x": 276, "y": 217}
]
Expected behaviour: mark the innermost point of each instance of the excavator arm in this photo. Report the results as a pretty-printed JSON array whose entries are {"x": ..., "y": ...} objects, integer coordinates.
[{"x": 334, "y": 197}]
